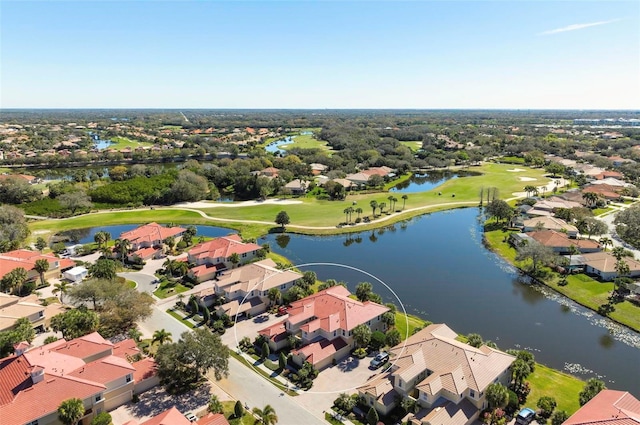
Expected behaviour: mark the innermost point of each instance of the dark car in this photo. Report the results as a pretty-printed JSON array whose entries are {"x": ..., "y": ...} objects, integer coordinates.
[
  {"x": 379, "y": 360},
  {"x": 525, "y": 416}
]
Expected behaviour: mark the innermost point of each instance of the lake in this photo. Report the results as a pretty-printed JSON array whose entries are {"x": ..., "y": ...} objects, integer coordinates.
[
  {"x": 440, "y": 270},
  {"x": 427, "y": 181},
  {"x": 274, "y": 147}
]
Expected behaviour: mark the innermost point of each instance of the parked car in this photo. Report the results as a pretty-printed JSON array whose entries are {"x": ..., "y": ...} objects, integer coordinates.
[
  {"x": 525, "y": 416},
  {"x": 191, "y": 417},
  {"x": 379, "y": 360},
  {"x": 282, "y": 310}
]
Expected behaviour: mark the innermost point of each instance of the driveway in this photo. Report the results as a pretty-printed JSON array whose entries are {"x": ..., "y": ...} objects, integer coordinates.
[
  {"x": 249, "y": 328},
  {"x": 344, "y": 377}
]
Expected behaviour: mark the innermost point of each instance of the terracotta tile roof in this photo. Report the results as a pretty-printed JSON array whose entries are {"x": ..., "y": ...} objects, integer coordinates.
[
  {"x": 85, "y": 346},
  {"x": 550, "y": 223},
  {"x": 436, "y": 349},
  {"x": 332, "y": 309},
  {"x": 206, "y": 269},
  {"x": 213, "y": 419},
  {"x": 320, "y": 350},
  {"x": 45, "y": 397},
  {"x": 554, "y": 239},
  {"x": 13, "y": 308},
  {"x": 125, "y": 348},
  {"x": 168, "y": 417},
  {"x": 608, "y": 407},
  {"x": 605, "y": 190},
  {"x": 145, "y": 369},
  {"x": 150, "y": 232},
  {"x": 379, "y": 387},
  {"x": 261, "y": 276},
  {"x": 145, "y": 252},
  {"x": 104, "y": 370},
  {"x": 16, "y": 376},
  {"x": 222, "y": 247},
  {"x": 27, "y": 259},
  {"x": 606, "y": 262},
  {"x": 450, "y": 413}
]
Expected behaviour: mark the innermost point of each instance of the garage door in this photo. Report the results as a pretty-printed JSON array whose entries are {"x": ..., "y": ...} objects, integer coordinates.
[{"x": 112, "y": 402}]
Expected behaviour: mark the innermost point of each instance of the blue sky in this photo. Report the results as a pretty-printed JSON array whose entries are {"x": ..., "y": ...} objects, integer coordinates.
[{"x": 320, "y": 54}]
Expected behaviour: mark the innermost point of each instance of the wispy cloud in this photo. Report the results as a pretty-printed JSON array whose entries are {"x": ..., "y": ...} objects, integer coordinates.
[{"x": 575, "y": 27}]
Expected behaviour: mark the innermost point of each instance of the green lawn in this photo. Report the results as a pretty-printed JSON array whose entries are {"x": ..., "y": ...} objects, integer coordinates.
[
  {"x": 463, "y": 191},
  {"x": 581, "y": 288},
  {"x": 125, "y": 142},
  {"x": 178, "y": 316},
  {"x": 550, "y": 382},
  {"x": 414, "y": 323},
  {"x": 414, "y": 146},
  {"x": 306, "y": 141},
  {"x": 166, "y": 290},
  {"x": 228, "y": 411}
]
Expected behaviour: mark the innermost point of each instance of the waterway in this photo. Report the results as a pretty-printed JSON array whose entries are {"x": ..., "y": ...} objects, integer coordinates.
[
  {"x": 440, "y": 270},
  {"x": 427, "y": 181},
  {"x": 274, "y": 147},
  {"x": 84, "y": 236}
]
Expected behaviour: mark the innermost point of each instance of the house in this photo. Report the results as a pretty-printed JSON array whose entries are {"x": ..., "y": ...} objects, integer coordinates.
[
  {"x": 144, "y": 254},
  {"x": 246, "y": 289},
  {"x": 152, "y": 234},
  {"x": 608, "y": 192},
  {"x": 35, "y": 381},
  {"x": 317, "y": 169},
  {"x": 297, "y": 186},
  {"x": 215, "y": 256},
  {"x": 550, "y": 204},
  {"x": 13, "y": 308},
  {"x": 269, "y": 172},
  {"x": 173, "y": 416},
  {"x": 550, "y": 223},
  {"x": 603, "y": 264},
  {"x": 608, "y": 407},
  {"x": 447, "y": 378},
  {"x": 560, "y": 243},
  {"x": 611, "y": 181},
  {"x": 27, "y": 178},
  {"x": 574, "y": 195},
  {"x": 324, "y": 322},
  {"x": 347, "y": 184},
  {"x": 362, "y": 177},
  {"x": 27, "y": 260},
  {"x": 76, "y": 274}
]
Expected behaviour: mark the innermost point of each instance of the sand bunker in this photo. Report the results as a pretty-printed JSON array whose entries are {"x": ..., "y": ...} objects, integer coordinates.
[
  {"x": 527, "y": 179},
  {"x": 516, "y": 170}
]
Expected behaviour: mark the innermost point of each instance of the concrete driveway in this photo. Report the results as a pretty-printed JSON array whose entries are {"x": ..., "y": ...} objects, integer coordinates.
[
  {"x": 345, "y": 377},
  {"x": 249, "y": 328}
]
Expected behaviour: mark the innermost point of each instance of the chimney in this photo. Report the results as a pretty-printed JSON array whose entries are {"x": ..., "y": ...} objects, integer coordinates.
[{"x": 37, "y": 374}]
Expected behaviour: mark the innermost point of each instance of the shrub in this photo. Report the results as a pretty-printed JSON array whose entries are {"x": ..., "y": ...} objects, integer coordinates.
[{"x": 360, "y": 353}]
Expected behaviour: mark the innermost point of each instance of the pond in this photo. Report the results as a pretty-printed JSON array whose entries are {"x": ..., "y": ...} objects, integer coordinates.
[
  {"x": 274, "y": 147},
  {"x": 84, "y": 236},
  {"x": 440, "y": 270},
  {"x": 427, "y": 181}
]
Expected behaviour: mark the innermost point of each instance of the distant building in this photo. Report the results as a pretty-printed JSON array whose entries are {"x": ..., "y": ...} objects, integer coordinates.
[
  {"x": 152, "y": 234},
  {"x": 608, "y": 407}
]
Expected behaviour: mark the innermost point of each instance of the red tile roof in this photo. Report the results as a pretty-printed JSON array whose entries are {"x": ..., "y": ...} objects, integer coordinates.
[
  {"x": 83, "y": 347},
  {"x": 44, "y": 397},
  {"x": 16, "y": 376},
  {"x": 104, "y": 370},
  {"x": 333, "y": 309},
  {"x": 320, "y": 350},
  {"x": 125, "y": 348},
  {"x": 27, "y": 259},
  {"x": 551, "y": 238},
  {"x": 222, "y": 247},
  {"x": 213, "y": 419},
  {"x": 168, "y": 417},
  {"x": 608, "y": 407},
  {"x": 145, "y": 369},
  {"x": 151, "y": 232}
]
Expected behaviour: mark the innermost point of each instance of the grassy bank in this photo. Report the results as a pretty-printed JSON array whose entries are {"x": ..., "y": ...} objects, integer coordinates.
[
  {"x": 580, "y": 288},
  {"x": 550, "y": 382}
]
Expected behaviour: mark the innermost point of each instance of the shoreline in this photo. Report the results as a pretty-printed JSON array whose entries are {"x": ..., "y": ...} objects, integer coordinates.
[{"x": 488, "y": 245}]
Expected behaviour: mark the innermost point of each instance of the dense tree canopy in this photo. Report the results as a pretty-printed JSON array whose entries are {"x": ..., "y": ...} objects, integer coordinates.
[
  {"x": 22, "y": 331},
  {"x": 75, "y": 323},
  {"x": 628, "y": 225},
  {"x": 13, "y": 228}
]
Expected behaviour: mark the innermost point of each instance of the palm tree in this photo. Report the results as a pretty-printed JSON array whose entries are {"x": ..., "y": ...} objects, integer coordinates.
[
  {"x": 382, "y": 206},
  {"x": 530, "y": 190},
  {"x": 573, "y": 250},
  {"x": 71, "y": 411},
  {"x": 161, "y": 336},
  {"x": 123, "y": 246},
  {"x": 274, "y": 295},
  {"x": 41, "y": 266},
  {"x": 605, "y": 241},
  {"x": 346, "y": 214},
  {"x": 62, "y": 288},
  {"x": 374, "y": 206},
  {"x": 394, "y": 200},
  {"x": 235, "y": 259},
  {"x": 100, "y": 238},
  {"x": 266, "y": 416},
  {"x": 404, "y": 200},
  {"x": 618, "y": 252},
  {"x": 591, "y": 198},
  {"x": 106, "y": 251},
  {"x": 390, "y": 198},
  {"x": 358, "y": 211},
  {"x": 15, "y": 279}
]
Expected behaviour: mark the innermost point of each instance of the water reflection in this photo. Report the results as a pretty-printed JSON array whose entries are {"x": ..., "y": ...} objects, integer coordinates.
[
  {"x": 528, "y": 291},
  {"x": 607, "y": 341},
  {"x": 283, "y": 240}
]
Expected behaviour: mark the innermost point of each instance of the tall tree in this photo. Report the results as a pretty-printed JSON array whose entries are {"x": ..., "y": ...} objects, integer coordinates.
[
  {"x": 75, "y": 200},
  {"x": 374, "y": 207},
  {"x": 497, "y": 395},
  {"x": 123, "y": 246},
  {"x": 71, "y": 411},
  {"x": 362, "y": 335},
  {"x": 161, "y": 336},
  {"x": 372, "y": 416},
  {"x": 235, "y": 259},
  {"x": 282, "y": 219},
  {"x": 41, "y": 266},
  {"x": 590, "y": 390},
  {"x": 40, "y": 244},
  {"x": 61, "y": 287},
  {"x": 266, "y": 415},
  {"x": 404, "y": 200},
  {"x": 14, "y": 280},
  {"x": 104, "y": 268},
  {"x": 363, "y": 291},
  {"x": 76, "y": 322},
  {"x": 537, "y": 253}
]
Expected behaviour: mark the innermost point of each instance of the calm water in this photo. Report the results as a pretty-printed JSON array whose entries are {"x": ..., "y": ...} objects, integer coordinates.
[
  {"x": 440, "y": 270},
  {"x": 428, "y": 181},
  {"x": 274, "y": 147},
  {"x": 84, "y": 236}
]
